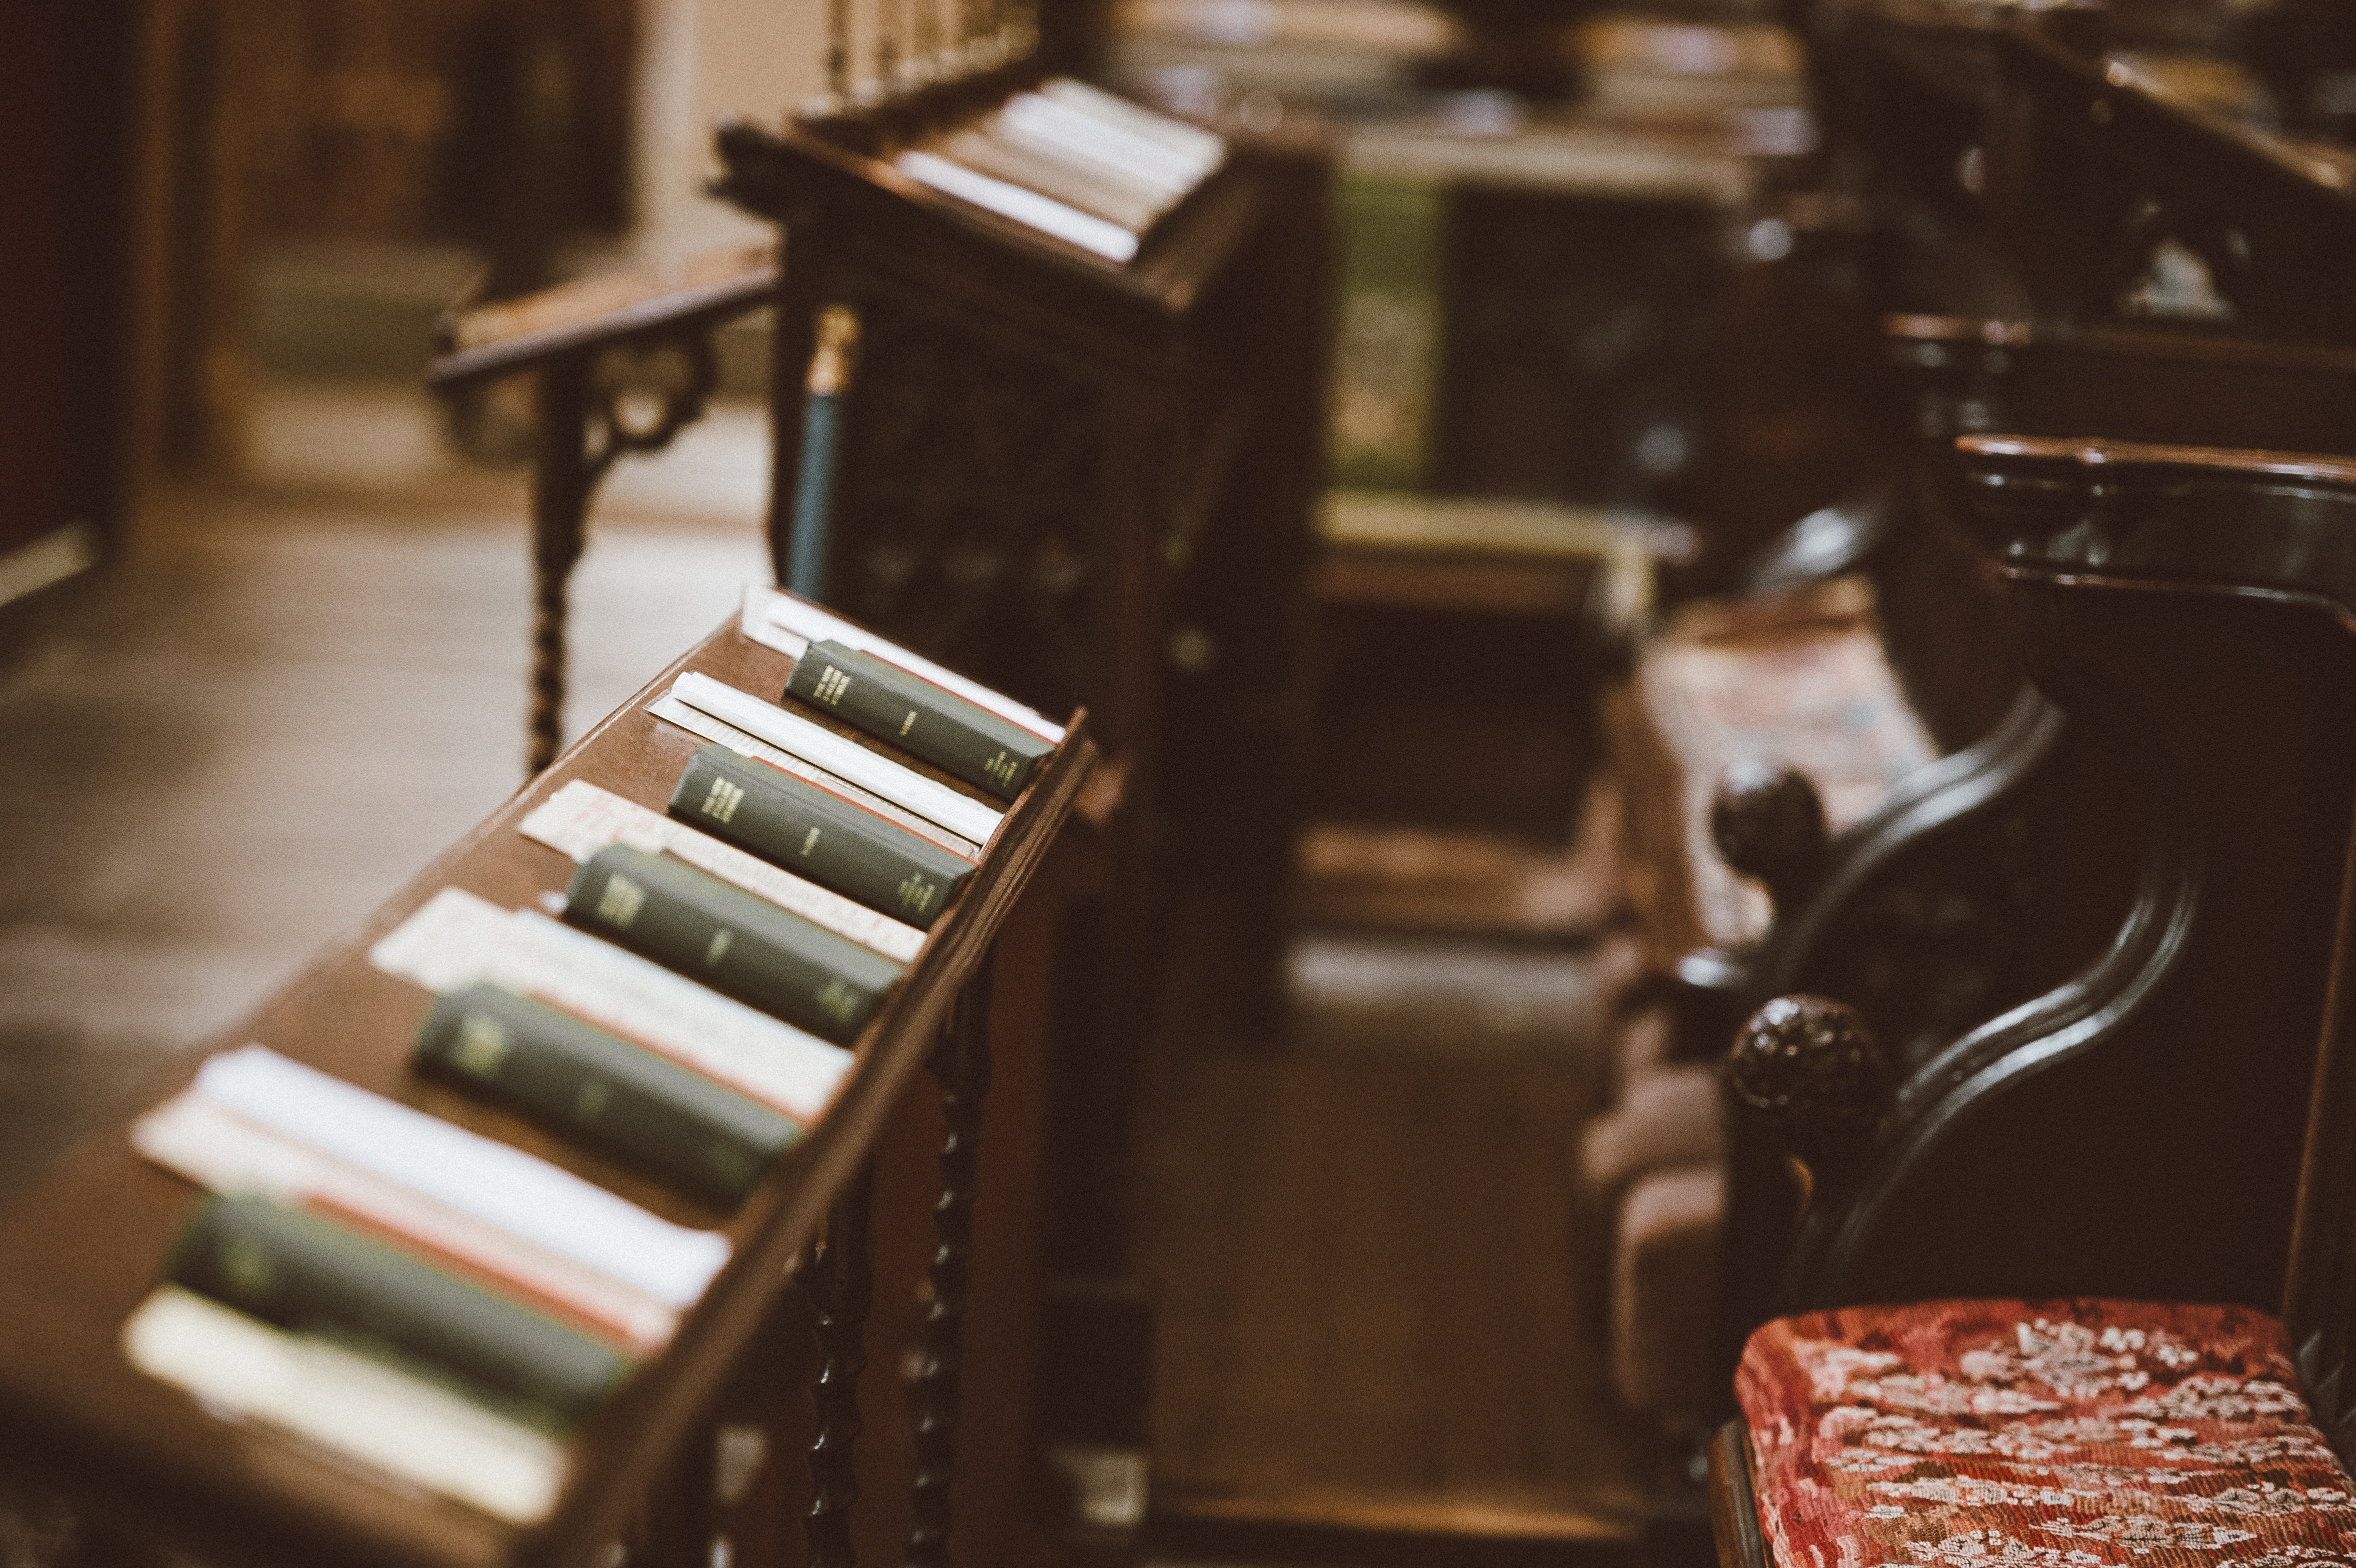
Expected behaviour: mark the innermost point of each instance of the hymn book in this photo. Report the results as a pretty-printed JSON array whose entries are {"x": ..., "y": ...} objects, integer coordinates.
[
  {"x": 692, "y": 923},
  {"x": 457, "y": 938},
  {"x": 790, "y": 623},
  {"x": 581, "y": 819}
]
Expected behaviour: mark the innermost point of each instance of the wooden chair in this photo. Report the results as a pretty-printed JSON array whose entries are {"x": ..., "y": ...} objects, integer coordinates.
[{"x": 2130, "y": 1134}]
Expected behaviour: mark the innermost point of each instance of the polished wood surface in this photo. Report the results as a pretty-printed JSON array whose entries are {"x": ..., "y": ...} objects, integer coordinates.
[{"x": 81, "y": 1407}]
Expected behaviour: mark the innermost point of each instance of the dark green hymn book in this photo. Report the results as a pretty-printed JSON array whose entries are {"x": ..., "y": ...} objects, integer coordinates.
[
  {"x": 834, "y": 842},
  {"x": 312, "y": 1276},
  {"x": 644, "y": 1110},
  {"x": 739, "y": 944},
  {"x": 960, "y": 738}
]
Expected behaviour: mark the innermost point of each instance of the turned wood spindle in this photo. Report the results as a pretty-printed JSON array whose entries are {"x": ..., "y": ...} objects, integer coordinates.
[
  {"x": 839, "y": 1286},
  {"x": 1769, "y": 823},
  {"x": 961, "y": 1064},
  {"x": 564, "y": 474}
]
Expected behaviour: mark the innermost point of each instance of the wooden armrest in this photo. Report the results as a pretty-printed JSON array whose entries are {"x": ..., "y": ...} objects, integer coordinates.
[{"x": 511, "y": 335}]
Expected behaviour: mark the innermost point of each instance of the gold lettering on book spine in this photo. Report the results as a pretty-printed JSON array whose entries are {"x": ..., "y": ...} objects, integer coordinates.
[
  {"x": 721, "y": 804},
  {"x": 482, "y": 1045},
  {"x": 590, "y": 1101},
  {"x": 838, "y": 1002},
  {"x": 719, "y": 948},
  {"x": 831, "y": 686},
  {"x": 623, "y": 899},
  {"x": 1000, "y": 770},
  {"x": 909, "y": 722},
  {"x": 809, "y": 841},
  {"x": 916, "y": 894}
]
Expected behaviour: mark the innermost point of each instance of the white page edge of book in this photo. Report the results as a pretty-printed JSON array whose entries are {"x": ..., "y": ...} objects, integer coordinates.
[
  {"x": 503, "y": 1185},
  {"x": 1045, "y": 122},
  {"x": 340, "y": 1401},
  {"x": 1080, "y": 187},
  {"x": 1025, "y": 141},
  {"x": 580, "y": 819},
  {"x": 803, "y": 623},
  {"x": 720, "y": 732},
  {"x": 1206, "y": 148},
  {"x": 456, "y": 937},
  {"x": 1027, "y": 157},
  {"x": 837, "y": 754},
  {"x": 1027, "y": 208},
  {"x": 215, "y": 1148}
]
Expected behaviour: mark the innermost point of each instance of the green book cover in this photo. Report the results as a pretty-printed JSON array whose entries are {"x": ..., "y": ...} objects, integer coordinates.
[
  {"x": 1386, "y": 343},
  {"x": 834, "y": 842},
  {"x": 312, "y": 1276},
  {"x": 960, "y": 738},
  {"x": 739, "y": 944},
  {"x": 646, "y": 1111}
]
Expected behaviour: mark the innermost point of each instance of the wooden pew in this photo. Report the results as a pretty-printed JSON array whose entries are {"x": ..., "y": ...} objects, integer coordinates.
[
  {"x": 1919, "y": 914},
  {"x": 2136, "y": 1132},
  {"x": 890, "y": 1173}
]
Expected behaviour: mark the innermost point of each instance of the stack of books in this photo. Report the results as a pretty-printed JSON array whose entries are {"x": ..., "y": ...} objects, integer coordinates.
[
  {"x": 1072, "y": 161},
  {"x": 452, "y": 1308}
]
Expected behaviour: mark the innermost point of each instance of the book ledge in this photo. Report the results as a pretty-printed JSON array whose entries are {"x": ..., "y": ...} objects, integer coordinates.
[{"x": 438, "y": 1256}]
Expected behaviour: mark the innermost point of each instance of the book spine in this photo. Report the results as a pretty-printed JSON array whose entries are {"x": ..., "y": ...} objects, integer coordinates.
[
  {"x": 457, "y": 938},
  {"x": 948, "y": 731},
  {"x": 313, "y": 1277},
  {"x": 645, "y": 1112},
  {"x": 831, "y": 841},
  {"x": 838, "y": 755},
  {"x": 692, "y": 923}
]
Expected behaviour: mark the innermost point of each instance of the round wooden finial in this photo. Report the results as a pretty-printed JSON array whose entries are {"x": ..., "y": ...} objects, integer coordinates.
[
  {"x": 1769, "y": 824},
  {"x": 1811, "y": 1068}
]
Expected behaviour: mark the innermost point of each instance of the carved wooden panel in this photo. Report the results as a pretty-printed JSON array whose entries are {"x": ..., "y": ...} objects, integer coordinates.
[{"x": 969, "y": 513}]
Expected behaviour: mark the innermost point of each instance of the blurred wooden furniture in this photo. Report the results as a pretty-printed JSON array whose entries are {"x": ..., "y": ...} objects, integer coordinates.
[
  {"x": 620, "y": 363},
  {"x": 2191, "y": 609},
  {"x": 146, "y": 1460},
  {"x": 65, "y": 93},
  {"x": 1086, "y": 481},
  {"x": 1932, "y": 906},
  {"x": 2186, "y": 610}
]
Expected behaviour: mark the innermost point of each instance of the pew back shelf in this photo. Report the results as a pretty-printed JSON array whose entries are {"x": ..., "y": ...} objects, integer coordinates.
[{"x": 85, "y": 1245}]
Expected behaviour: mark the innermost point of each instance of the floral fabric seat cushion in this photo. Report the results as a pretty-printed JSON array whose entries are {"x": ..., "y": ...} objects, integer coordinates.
[{"x": 2041, "y": 1434}]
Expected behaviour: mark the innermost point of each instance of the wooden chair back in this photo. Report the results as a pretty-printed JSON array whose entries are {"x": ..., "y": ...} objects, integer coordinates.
[{"x": 2135, "y": 1130}]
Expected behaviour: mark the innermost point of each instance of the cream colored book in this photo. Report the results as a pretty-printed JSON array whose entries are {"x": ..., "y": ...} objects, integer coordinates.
[
  {"x": 782, "y": 620},
  {"x": 1124, "y": 202},
  {"x": 539, "y": 1203},
  {"x": 457, "y": 938},
  {"x": 412, "y": 1430},
  {"x": 840, "y": 755},
  {"x": 222, "y": 1151},
  {"x": 1057, "y": 130},
  {"x": 1027, "y": 208},
  {"x": 581, "y": 819},
  {"x": 1199, "y": 150}
]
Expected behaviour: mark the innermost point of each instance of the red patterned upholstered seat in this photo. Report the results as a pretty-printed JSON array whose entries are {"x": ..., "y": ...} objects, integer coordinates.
[{"x": 2042, "y": 1433}]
